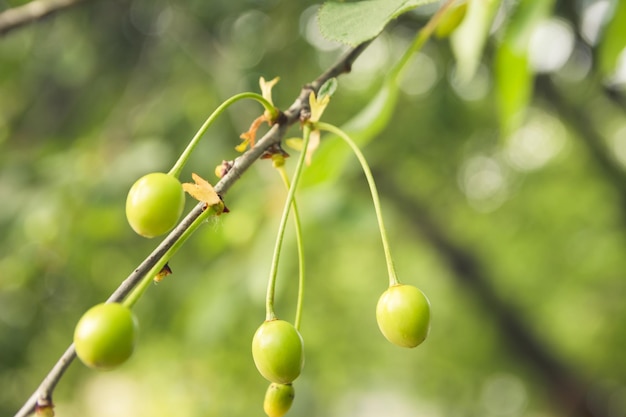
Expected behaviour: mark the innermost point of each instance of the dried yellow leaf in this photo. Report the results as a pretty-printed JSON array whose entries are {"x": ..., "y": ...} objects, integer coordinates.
[{"x": 202, "y": 190}]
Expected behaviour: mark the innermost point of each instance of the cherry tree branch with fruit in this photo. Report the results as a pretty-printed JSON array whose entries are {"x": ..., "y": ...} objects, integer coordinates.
[
  {"x": 105, "y": 335},
  {"x": 42, "y": 397}
]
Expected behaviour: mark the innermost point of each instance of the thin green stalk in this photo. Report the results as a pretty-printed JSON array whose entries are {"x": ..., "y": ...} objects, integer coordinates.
[
  {"x": 271, "y": 286},
  {"x": 141, "y": 288},
  {"x": 393, "y": 279},
  {"x": 301, "y": 267},
  {"x": 182, "y": 160},
  {"x": 422, "y": 37}
]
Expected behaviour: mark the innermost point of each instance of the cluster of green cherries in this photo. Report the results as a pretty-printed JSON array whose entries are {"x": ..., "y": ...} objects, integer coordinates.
[{"x": 106, "y": 334}]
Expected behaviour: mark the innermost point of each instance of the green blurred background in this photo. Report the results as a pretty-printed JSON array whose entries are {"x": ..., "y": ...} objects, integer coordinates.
[{"x": 519, "y": 240}]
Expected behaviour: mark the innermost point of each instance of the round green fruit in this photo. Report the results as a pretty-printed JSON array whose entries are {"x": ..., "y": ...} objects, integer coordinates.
[
  {"x": 154, "y": 204},
  {"x": 278, "y": 351},
  {"x": 403, "y": 315},
  {"x": 278, "y": 399},
  {"x": 105, "y": 336}
]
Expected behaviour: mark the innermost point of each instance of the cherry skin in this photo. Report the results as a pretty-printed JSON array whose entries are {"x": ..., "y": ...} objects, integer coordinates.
[
  {"x": 105, "y": 336},
  {"x": 278, "y": 351},
  {"x": 403, "y": 315},
  {"x": 278, "y": 399},
  {"x": 154, "y": 204}
]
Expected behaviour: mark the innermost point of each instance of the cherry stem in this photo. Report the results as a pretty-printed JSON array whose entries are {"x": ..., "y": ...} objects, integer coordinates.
[
  {"x": 184, "y": 157},
  {"x": 393, "y": 279},
  {"x": 271, "y": 286},
  {"x": 145, "y": 282},
  {"x": 301, "y": 267}
]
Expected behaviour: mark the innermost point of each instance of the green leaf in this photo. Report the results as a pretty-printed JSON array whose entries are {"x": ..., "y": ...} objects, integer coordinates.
[
  {"x": 468, "y": 40},
  {"x": 613, "y": 40},
  {"x": 514, "y": 79},
  {"x": 328, "y": 88},
  {"x": 357, "y": 22},
  {"x": 451, "y": 20},
  {"x": 513, "y": 86}
]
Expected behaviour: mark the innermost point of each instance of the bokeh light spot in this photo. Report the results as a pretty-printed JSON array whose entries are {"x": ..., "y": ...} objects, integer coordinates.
[
  {"x": 421, "y": 75},
  {"x": 504, "y": 395},
  {"x": 483, "y": 181},
  {"x": 536, "y": 143},
  {"x": 593, "y": 17},
  {"x": 551, "y": 44}
]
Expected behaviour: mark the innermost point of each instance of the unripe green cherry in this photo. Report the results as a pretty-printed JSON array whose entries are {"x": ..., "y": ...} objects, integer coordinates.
[
  {"x": 154, "y": 204},
  {"x": 278, "y": 351},
  {"x": 403, "y": 315},
  {"x": 278, "y": 399},
  {"x": 105, "y": 336}
]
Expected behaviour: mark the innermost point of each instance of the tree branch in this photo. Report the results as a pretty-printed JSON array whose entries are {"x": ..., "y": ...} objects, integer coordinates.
[
  {"x": 584, "y": 126},
  {"x": 30, "y": 12},
  {"x": 42, "y": 397}
]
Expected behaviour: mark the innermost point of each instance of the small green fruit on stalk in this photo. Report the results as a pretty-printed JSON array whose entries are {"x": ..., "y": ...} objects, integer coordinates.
[
  {"x": 154, "y": 204},
  {"x": 278, "y": 399},
  {"x": 278, "y": 351},
  {"x": 403, "y": 315},
  {"x": 105, "y": 336}
]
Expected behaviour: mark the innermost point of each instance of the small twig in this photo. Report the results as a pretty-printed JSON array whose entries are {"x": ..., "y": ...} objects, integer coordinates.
[
  {"x": 30, "y": 12},
  {"x": 43, "y": 394}
]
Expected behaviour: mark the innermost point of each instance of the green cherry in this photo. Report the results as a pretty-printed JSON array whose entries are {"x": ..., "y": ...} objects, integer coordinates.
[
  {"x": 105, "y": 336},
  {"x": 278, "y": 351},
  {"x": 278, "y": 399},
  {"x": 403, "y": 315},
  {"x": 154, "y": 204}
]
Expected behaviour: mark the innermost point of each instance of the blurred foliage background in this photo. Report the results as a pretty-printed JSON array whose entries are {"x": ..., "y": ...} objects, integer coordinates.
[{"x": 515, "y": 229}]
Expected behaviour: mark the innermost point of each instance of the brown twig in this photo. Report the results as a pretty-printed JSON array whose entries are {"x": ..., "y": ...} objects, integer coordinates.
[
  {"x": 43, "y": 394},
  {"x": 30, "y": 12}
]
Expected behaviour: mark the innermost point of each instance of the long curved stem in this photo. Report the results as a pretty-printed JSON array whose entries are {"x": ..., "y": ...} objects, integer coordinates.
[
  {"x": 301, "y": 266},
  {"x": 184, "y": 157},
  {"x": 271, "y": 286},
  {"x": 393, "y": 279}
]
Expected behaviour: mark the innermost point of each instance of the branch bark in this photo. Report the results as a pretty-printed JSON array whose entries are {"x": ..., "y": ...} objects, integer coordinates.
[
  {"x": 30, "y": 12},
  {"x": 42, "y": 397}
]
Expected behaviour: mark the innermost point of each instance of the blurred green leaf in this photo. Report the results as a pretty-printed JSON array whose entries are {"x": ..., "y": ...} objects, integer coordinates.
[
  {"x": 355, "y": 23},
  {"x": 451, "y": 20},
  {"x": 468, "y": 40},
  {"x": 513, "y": 86},
  {"x": 613, "y": 40},
  {"x": 514, "y": 79}
]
